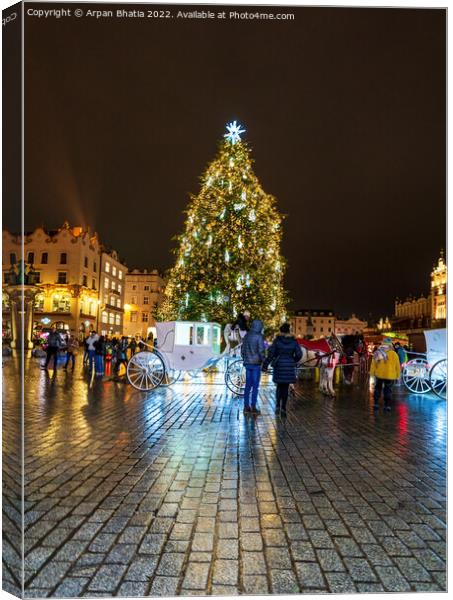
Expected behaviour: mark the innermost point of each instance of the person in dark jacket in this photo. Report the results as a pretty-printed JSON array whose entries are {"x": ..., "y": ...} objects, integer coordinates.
[
  {"x": 53, "y": 345},
  {"x": 252, "y": 351},
  {"x": 121, "y": 354},
  {"x": 99, "y": 348},
  {"x": 284, "y": 354}
]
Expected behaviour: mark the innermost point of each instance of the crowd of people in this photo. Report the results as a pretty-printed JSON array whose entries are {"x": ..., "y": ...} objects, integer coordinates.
[
  {"x": 101, "y": 353},
  {"x": 105, "y": 355}
]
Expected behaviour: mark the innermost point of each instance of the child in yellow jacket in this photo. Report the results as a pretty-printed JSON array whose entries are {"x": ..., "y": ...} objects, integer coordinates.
[{"x": 385, "y": 367}]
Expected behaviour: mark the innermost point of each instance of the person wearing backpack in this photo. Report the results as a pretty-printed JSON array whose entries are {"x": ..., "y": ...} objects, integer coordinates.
[
  {"x": 385, "y": 367},
  {"x": 284, "y": 354},
  {"x": 53, "y": 346},
  {"x": 252, "y": 351}
]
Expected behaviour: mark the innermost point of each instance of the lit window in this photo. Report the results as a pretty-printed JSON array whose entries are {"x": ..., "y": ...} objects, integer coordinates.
[
  {"x": 113, "y": 285},
  {"x": 39, "y": 302},
  {"x": 119, "y": 287},
  {"x": 117, "y": 320},
  {"x": 106, "y": 282},
  {"x": 112, "y": 300},
  {"x": 118, "y": 303},
  {"x": 145, "y": 299},
  {"x": 134, "y": 300},
  {"x": 114, "y": 271},
  {"x": 61, "y": 303},
  {"x": 120, "y": 274},
  {"x": 107, "y": 267},
  {"x": 111, "y": 318},
  {"x": 104, "y": 317},
  {"x": 134, "y": 317}
]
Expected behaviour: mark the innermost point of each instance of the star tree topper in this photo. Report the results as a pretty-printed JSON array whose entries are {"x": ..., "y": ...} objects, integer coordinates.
[{"x": 234, "y": 132}]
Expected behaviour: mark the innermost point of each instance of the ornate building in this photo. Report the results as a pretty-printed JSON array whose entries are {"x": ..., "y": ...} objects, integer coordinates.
[
  {"x": 313, "y": 322},
  {"x": 349, "y": 326},
  {"x": 67, "y": 264},
  {"x": 425, "y": 312},
  {"x": 144, "y": 290}
]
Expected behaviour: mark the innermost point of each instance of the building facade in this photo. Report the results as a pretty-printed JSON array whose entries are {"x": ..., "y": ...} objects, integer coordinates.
[
  {"x": 349, "y": 326},
  {"x": 439, "y": 290},
  {"x": 81, "y": 282},
  {"x": 111, "y": 293},
  {"x": 144, "y": 291},
  {"x": 312, "y": 323}
]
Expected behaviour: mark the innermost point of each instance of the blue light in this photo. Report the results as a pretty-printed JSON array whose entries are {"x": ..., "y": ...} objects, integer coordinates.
[{"x": 234, "y": 132}]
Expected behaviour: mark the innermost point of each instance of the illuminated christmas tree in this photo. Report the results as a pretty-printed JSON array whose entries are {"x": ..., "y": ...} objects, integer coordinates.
[{"x": 228, "y": 258}]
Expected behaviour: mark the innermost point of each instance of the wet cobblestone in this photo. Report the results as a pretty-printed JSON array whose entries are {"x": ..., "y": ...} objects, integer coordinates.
[{"x": 176, "y": 492}]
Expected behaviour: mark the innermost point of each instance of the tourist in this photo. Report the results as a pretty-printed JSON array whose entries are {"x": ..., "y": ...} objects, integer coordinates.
[
  {"x": 121, "y": 354},
  {"x": 133, "y": 346},
  {"x": 402, "y": 357},
  {"x": 99, "y": 349},
  {"x": 283, "y": 356},
  {"x": 252, "y": 351},
  {"x": 72, "y": 349},
  {"x": 385, "y": 367},
  {"x": 91, "y": 349},
  {"x": 53, "y": 346}
]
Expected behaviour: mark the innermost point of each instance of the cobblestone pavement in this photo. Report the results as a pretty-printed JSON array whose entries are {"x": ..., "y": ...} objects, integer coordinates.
[{"x": 176, "y": 492}]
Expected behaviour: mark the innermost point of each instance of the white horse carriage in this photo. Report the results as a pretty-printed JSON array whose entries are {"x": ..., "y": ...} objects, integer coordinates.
[
  {"x": 184, "y": 347},
  {"x": 428, "y": 372}
]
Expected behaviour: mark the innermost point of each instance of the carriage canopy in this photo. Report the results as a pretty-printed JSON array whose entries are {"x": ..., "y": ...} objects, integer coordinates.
[
  {"x": 436, "y": 345},
  {"x": 188, "y": 344}
]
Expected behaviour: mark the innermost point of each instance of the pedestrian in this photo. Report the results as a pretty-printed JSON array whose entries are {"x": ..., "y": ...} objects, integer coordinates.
[
  {"x": 53, "y": 346},
  {"x": 91, "y": 349},
  {"x": 121, "y": 354},
  {"x": 72, "y": 349},
  {"x": 85, "y": 350},
  {"x": 348, "y": 343},
  {"x": 252, "y": 351},
  {"x": 133, "y": 346},
  {"x": 99, "y": 349},
  {"x": 385, "y": 367},
  {"x": 402, "y": 357},
  {"x": 283, "y": 355}
]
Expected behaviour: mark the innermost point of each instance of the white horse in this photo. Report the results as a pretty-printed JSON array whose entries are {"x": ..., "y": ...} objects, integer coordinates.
[{"x": 324, "y": 354}]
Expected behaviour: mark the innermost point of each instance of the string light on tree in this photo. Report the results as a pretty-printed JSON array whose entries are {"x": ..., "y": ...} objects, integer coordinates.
[{"x": 231, "y": 241}]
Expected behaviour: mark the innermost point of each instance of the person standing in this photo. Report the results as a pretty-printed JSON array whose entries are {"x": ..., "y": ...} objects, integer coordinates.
[
  {"x": 133, "y": 346},
  {"x": 284, "y": 354},
  {"x": 385, "y": 367},
  {"x": 252, "y": 351},
  {"x": 402, "y": 357},
  {"x": 99, "y": 348},
  {"x": 91, "y": 348},
  {"x": 53, "y": 346},
  {"x": 121, "y": 354},
  {"x": 71, "y": 350}
]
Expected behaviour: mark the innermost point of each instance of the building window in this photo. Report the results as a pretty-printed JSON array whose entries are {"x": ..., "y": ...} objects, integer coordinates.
[
  {"x": 85, "y": 262},
  {"x": 146, "y": 288},
  {"x": 113, "y": 285},
  {"x": 95, "y": 267},
  {"x": 93, "y": 283},
  {"x": 44, "y": 258},
  {"x": 134, "y": 317},
  {"x": 117, "y": 319},
  {"x": 321, "y": 329},
  {"x": 119, "y": 288},
  {"x": 118, "y": 303},
  {"x": 111, "y": 318},
  {"x": 134, "y": 300},
  {"x": 31, "y": 258},
  {"x": 114, "y": 271},
  {"x": 39, "y": 302},
  {"x": 145, "y": 299},
  {"x": 62, "y": 277},
  {"x": 12, "y": 258},
  {"x": 112, "y": 300},
  {"x": 63, "y": 258},
  {"x": 85, "y": 281},
  {"x": 145, "y": 317},
  {"x": 120, "y": 274},
  {"x": 107, "y": 267},
  {"x": 106, "y": 282},
  {"x": 134, "y": 287},
  {"x": 104, "y": 318},
  {"x": 61, "y": 303},
  {"x": 330, "y": 329}
]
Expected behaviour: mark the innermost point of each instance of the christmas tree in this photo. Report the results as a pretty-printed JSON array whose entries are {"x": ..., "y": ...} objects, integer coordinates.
[{"x": 228, "y": 257}]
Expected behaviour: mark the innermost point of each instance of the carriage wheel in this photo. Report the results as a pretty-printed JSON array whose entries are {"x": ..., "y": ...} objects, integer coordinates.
[
  {"x": 438, "y": 378},
  {"x": 171, "y": 376},
  {"x": 145, "y": 371},
  {"x": 416, "y": 376},
  {"x": 235, "y": 377}
]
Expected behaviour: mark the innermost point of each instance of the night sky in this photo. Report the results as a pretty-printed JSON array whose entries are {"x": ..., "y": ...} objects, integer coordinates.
[{"x": 344, "y": 110}]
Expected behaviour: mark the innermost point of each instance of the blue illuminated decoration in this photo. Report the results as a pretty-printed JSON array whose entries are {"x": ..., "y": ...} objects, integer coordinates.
[{"x": 234, "y": 132}]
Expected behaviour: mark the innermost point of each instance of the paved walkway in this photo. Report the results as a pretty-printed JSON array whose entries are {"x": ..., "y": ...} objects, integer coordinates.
[{"x": 176, "y": 492}]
